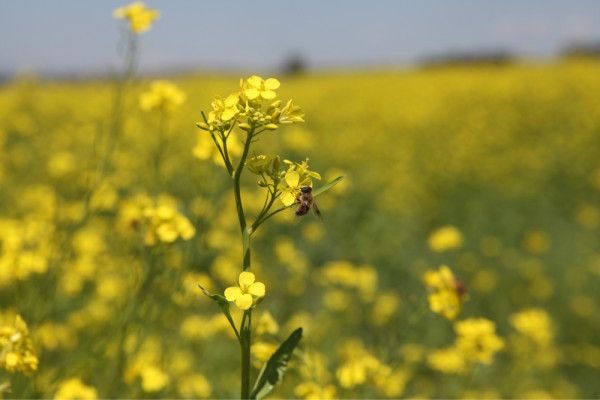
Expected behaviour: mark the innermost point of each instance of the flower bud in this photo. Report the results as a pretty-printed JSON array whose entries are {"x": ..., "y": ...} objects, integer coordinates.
[
  {"x": 271, "y": 127},
  {"x": 202, "y": 126},
  {"x": 244, "y": 126}
]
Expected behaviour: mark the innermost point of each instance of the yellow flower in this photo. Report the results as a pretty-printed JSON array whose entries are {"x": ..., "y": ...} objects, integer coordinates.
[
  {"x": 153, "y": 379},
  {"x": 16, "y": 348},
  {"x": 267, "y": 324},
  {"x": 194, "y": 386},
  {"x": 297, "y": 176},
  {"x": 445, "y": 238},
  {"x": 256, "y": 88},
  {"x": 314, "y": 391},
  {"x": 290, "y": 114},
  {"x": 139, "y": 16},
  {"x": 223, "y": 110},
  {"x": 447, "y": 361},
  {"x": 534, "y": 323},
  {"x": 292, "y": 191},
  {"x": 205, "y": 148},
  {"x": 446, "y": 292},
  {"x": 162, "y": 95},
  {"x": 477, "y": 339},
  {"x": 248, "y": 291},
  {"x": 262, "y": 351},
  {"x": 73, "y": 388}
]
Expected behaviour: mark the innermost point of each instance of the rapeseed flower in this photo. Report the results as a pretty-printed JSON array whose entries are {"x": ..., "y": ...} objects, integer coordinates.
[
  {"x": 140, "y": 17},
  {"x": 16, "y": 348},
  {"x": 163, "y": 96},
  {"x": 445, "y": 238},
  {"x": 297, "y": 176},
  {"x": 247, "y": 293},
  {"x": 534, "y": 323},
  {"x": 446, "y": 292},
  {"x": 257, "y": 88},
  {"x": 267, "y": 324},
  {"x": 477, "y": 339},
  {"x": 448, "y": 361},
  {"x": 314, "y": 391},
  {"x": 74, "y": 388}
]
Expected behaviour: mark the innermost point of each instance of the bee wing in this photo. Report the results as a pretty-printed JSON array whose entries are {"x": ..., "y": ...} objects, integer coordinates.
[{"x": 316, "y": 210}]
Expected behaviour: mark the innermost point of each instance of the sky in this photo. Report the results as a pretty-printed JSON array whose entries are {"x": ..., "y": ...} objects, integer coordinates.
[{"x": 80, "y": 36}]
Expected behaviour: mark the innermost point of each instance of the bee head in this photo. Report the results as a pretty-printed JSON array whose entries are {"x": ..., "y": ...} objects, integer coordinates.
[{"x": 306, "y": 189}]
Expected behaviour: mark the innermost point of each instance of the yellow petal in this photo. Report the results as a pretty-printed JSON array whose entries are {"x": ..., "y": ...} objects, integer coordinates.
[
  {"x": 272, "y": 84},
  {"x": 257, "y": 289},
  {"x": 292, "y": 178},
  {"x": 232, "y": 293},
  {"x": 244, "y": 302},
  {"x": 268, "y": 94},
  {"x": 232, "y": 100},
  {"x": 228, "y": 113},
  {"x": 288, "y": 198},
  {"x": 251, "y": 93},
  {"x": 246, "y": 279},
  {"x": 255, "y": 81}
]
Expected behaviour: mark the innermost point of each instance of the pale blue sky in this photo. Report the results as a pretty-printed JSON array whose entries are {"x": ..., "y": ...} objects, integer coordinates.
[{"x": 80, "y": 36}]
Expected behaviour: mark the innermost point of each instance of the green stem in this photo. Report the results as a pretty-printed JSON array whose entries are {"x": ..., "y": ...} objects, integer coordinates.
[
  {"x": 239, "y": 205},
  {"x": 245, "y": 329},
  {"x": 245, "y": 344}
]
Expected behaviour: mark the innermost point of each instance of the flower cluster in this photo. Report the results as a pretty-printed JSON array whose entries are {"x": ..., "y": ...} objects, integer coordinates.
[
  {"x": 160, "y": 220},
  {"x": 140, "y": 17},
  {"x": 446, "y": 292},
  {"x": 445, "y": 238},
  {"x": 26, "y": 246},
  {"x": 477, "y": 339},
  {"x": 253, "y": 106},
  {"x": 74, "y": 388},
  {"x": 16, "y": 349},
  {"x": 163, "y": 96},
  {"x": 286, "y": 184},
  {"x": 248, "y": 293},
  {"x": 297, "y": 176},
  {"x": 476, "y": 342}
]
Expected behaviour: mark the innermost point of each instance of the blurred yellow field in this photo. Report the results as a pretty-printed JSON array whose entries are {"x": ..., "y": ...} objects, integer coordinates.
[
  {"x": 457, "y": 258},
  {"x": 506, "y": 159}
]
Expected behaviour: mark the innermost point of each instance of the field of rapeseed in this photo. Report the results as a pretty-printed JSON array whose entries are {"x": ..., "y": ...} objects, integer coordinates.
[{"x": 458, "y": 257}]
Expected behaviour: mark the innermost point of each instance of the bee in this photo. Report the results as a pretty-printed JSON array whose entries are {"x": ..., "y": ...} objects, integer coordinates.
[
  {"x": 460, "y": 287},
  {"x": 306, "y": 202}
]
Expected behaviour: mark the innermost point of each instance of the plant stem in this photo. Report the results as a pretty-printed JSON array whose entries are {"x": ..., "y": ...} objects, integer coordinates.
[
  {"x": 245, "y": 343},
  {"x": 238, "y": 203},
  {"x": 246, "y": 326}
]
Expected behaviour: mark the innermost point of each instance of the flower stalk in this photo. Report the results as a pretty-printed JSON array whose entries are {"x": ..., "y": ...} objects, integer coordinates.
[{"x": 254, "y": 109}]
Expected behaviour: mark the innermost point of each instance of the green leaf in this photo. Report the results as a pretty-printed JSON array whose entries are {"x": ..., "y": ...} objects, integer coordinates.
[
  {"x": 327, "y": 186},
  {"x": 272, "y": 372},
  {"x": 223, "y": 305}
]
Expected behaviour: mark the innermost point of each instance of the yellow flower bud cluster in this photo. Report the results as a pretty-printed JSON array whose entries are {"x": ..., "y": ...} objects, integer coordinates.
[
  {"x": 16, "y": 349},
  {"x": 162, "y": 96},
  {"x": 159, "y": 219},
  {"x": 140, "y": 17}
]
